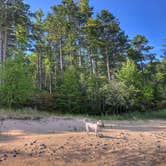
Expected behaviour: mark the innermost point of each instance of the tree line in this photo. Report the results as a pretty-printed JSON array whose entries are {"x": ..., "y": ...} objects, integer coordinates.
[{"x": 73, "y": 60}]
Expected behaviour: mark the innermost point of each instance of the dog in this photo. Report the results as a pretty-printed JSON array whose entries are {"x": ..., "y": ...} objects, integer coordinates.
[{"x": 96, "y": 127}]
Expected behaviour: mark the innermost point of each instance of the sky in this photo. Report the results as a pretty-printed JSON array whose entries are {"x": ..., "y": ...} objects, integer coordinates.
[{"x": 146, "y": 17}]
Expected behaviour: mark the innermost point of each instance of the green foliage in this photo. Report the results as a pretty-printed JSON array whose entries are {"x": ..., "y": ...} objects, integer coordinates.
[
  {"x": 78, "y": 62},
  {"x": 118, "y": 97},
  {"x": 16, "y": 81},
  {"x": 70, "y": 85},
  {"x": 129, "y": 74},
  {"x": 148, "y": 92},
  {"x": 69, "y": 91}
]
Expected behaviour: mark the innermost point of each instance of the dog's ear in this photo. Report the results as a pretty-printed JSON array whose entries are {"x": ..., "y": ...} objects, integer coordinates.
[{"x": 100, "y": 123}]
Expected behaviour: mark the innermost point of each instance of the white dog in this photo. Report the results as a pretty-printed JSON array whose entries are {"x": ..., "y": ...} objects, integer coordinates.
[{"x": 94, "y": 127}]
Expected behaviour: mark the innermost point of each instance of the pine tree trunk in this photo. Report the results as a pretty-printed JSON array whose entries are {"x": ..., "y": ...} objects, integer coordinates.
[
  {"x": 5, "y": 45},
  {"x": 0, "y": 51},
  {"x": 50, "y": 83},
  {"x": 108, "y": 65},
  {"x": 4, "y": 38},
  {"x": 1, "y": 48},
  {"x": 61, "y": 58},
  {"x": 39, "y": 71},
  {"x": 70, "y": 54},
  {"x": 92, "y": 63},
  {"x": 80, "y": 58},
  {"x": 37, "y": 74}
]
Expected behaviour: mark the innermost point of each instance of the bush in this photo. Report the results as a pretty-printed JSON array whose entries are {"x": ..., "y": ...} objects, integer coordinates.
[
  {"x": 130, "y": 75},
  {"x": 118, "y": 97},
  {"x": 16, "y": 82},
  {"x": 42, "y": 101},
  {"x": 69, "y": 91}
]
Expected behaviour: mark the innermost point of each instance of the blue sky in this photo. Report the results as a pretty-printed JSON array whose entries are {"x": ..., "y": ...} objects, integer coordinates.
[{"x": 145, "y": 17}]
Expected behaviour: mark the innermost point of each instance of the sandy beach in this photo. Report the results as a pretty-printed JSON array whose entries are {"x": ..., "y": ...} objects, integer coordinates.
[{"x": 58, "y": 141}]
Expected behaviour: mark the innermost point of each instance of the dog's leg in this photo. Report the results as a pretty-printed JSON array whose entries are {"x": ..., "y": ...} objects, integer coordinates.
[
  {"x": 87, "y": 130},
  {"x": 96, "y": 132}
]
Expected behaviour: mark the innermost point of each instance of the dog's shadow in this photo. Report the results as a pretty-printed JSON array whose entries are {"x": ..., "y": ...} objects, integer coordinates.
[{"x": 111, "y": 137}]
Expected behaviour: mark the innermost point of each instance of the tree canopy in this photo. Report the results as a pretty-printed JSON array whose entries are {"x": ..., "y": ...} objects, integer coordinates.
[{"x": 71, "y": 59}]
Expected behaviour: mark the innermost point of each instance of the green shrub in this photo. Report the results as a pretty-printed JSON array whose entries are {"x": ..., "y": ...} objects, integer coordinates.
[{"x": 16, "y": 82}]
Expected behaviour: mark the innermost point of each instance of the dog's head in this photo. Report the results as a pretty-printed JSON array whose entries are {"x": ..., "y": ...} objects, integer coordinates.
[{"x": 100, "y": 123}]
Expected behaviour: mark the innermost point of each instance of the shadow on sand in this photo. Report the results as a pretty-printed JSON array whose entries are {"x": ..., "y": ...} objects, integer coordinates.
[{"x": 111, "y": 137}]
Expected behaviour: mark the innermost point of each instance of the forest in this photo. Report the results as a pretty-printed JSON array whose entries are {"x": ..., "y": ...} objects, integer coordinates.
[{"x": 73, "y": 60}]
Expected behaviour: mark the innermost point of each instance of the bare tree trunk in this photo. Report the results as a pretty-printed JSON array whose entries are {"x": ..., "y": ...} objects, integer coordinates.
[
  {"x": 93, "y": 66},
  {"x": 97, "y": 69},
  {"x": 5, "y": 45},
  {"x": 92, "y": 63},
  {"x": 80, "y": 58},
  {"x": 61, "y": 58},
  {"x": 39, "y": 71},
  {"x": 50, "y": 83},
  {"x": 37, "y": 74},
  {"x": 43, "y": 74},
  {"x": 70, "y": 58},
  {"x": 45, "y": 81},
  {"x": 4, "y": 37},
  {"x": 40, "y": 74},
  {"x": 108, "y": 65},
  {"x": 70, "y": 54},
  {"x": 1, "y": 48}
]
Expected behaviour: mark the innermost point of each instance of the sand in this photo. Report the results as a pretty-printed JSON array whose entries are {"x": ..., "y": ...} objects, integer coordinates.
[{"x": 58, "y": 141}]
